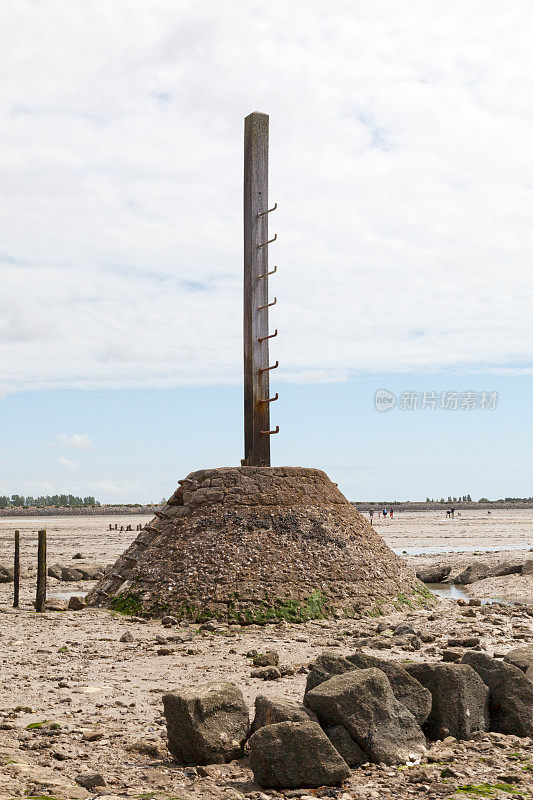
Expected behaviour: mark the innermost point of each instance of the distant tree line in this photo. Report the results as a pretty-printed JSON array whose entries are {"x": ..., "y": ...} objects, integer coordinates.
[
  {"x": 464, "y": 499},
  {"x": 61, "y": 500}
]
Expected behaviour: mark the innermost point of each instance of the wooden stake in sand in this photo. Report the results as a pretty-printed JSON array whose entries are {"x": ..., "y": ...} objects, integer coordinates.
[
  {"x": 40, "y": 600},
  {"x": 16, "y": 571}
]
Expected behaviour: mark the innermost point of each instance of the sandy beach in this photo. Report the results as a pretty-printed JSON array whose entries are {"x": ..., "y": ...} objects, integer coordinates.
[
  {"x": 422, "y": 538},
  {"x": 93, "y": 701}
]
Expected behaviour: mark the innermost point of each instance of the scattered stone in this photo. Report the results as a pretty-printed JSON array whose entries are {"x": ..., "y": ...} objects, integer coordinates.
[
  {"x": 511, "y": 694},
  {"x": 295, "y": 755},
  {"x": 165, "y": 651},
  {"x": 452, "y": 655},
  {"x": 266, "y": 673},
  {"x": 6, "y": 574},
  {"x": 76, "y": 603},
  {"x": 207, "y": 726},
  {"x": 268, "y": 659},
  {"x": 127, "y": 637},
  {"x": 146, "y": 748},
  {"x": 415, "y": 697},
  {"x": 92, "y": 735},
  {"x": 270, "y": 712},
  {"x": 286, "y": 670},
  {"x": 78, "y": 555},
  {"x": 465, "y": 641},
  {"x": 460, "y": 699},
  {"x": 527, "y": 569},
  {"x": 90, "y": 780},
  {"x": 363, "y": 702},
  {"x": 169, "y": 622},
  {"x": 402, "y": 629}
]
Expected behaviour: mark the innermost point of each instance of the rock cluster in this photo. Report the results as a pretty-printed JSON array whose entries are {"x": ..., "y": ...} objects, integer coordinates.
[
  {"x": 80, "y": 572},
  {"x": 356, "y": 710},
  {"x": 257, "y": 544}
]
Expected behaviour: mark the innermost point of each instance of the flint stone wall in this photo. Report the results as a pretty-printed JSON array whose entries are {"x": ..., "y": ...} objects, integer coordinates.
[{"x": 233, "y": 542}]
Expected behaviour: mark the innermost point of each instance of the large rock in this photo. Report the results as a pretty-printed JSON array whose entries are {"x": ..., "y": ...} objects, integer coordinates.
[
  {"x": 270, "y": 712},
  {"x": 477, "y": 572},
  {"x": 346, "y": 746},
  {"x": 473, "y": 573},
  {"x": 415, "y": 697},
  {"x": 527, "y": 568},
  {"x": 71, "y": 575},
  {"x": 435, "y": 573},
  {"x": 506, "y": 568},
  {"x": 208, "y": 726},
  {"x": 521, "y": 657},
  {"x": 511, "y": 694},
  {"x": 55, "y": 571},
  {"x": 460, "y": 699},
  {"x": 295, "y": 755},
  {"x": 325, "y": 667},
  {"x": 363, "y": 702}
]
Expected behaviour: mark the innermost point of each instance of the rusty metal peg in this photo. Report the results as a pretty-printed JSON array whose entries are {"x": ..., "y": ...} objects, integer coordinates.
[
  {"x": 273, "y": 303},
  {"x": 270, "y": 399},
  {"x": 271, "y": 433},
  {"x": 272, "y": 271},
  {"x": 264, "y": 338},
  {"x": 266, "y": 369},
  {"x": 264, "y": 244},
  {"x": 262, "y": 214}
]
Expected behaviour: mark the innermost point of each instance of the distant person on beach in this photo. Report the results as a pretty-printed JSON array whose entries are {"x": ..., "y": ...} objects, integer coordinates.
[
  {"x": 452, "y": 512},
  {"x": 391, "y": 513},
  {"x": 371, "y": 513},
  {"x": 448, "y": 512},
  {"x": 384, "y": 512}
]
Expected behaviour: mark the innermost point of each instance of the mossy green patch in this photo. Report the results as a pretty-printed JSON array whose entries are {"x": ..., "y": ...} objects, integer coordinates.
[
  {"x": 313, "y": 607},
  {"x": 55, "y": 726},
  {"x": 486, "y": 789},
  {"x": 128, "y": 603}
]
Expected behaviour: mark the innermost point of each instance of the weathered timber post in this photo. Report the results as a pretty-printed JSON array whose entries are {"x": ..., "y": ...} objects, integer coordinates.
[
  {"x": 40, "y": 600},
  {"x": 256, "y": 368},
  {"x": 16, "y": 571}
]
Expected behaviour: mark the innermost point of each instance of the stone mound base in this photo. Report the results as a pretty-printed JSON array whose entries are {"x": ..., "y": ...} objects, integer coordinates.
[{"x": 258, "y": 544}]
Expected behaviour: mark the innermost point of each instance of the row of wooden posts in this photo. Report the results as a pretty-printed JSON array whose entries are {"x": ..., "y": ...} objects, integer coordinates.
[
  {"x": 122, "y": 528},
  {"x": 40, "y": 597}
]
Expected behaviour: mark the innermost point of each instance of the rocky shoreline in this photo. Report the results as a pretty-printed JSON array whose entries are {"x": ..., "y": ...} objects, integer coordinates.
[{"x": 83, "y": 710}]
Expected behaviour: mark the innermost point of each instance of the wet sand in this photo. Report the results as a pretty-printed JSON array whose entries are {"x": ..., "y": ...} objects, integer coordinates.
[{"x": 422, "y": 538}]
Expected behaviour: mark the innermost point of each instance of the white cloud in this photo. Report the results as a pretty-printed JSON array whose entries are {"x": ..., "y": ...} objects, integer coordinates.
[
  {"x": 115, "y": 489},
  {"x": 78, "y": 441},
  {"x": 66, "y": 462},
  {"x": 400, "y": 140}
]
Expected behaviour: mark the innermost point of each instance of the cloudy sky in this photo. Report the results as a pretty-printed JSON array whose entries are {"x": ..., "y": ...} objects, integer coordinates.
[{"x": 400, "y": 147}]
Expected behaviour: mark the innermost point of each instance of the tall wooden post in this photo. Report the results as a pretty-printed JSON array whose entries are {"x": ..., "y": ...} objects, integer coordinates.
[
  {"x": 16, "y": 571},
  {"x": 256, "y": 383},
  {"x": 40, "y": 600}
]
